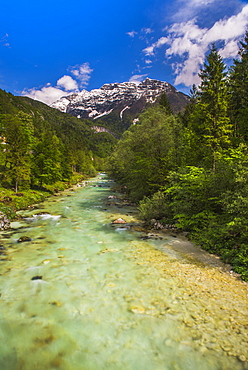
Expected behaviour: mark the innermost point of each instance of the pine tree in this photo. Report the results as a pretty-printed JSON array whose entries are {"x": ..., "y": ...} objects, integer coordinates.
[
  {"x": 239, "y": 91},
  {"x": 18, "y": 132},
  {"x": 210, "y": 123},
  {"x": 164, "y": 102}
]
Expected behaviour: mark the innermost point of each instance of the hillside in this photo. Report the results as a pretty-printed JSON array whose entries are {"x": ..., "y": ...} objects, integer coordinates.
[
  {"x": 117, "y": 105},
  {"x": 59, "y": 143}
]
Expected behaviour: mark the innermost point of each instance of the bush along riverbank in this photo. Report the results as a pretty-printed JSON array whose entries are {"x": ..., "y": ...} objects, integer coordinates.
[
  {"x": 217, "y": 234},
  {"x": 11, "y": 201}
]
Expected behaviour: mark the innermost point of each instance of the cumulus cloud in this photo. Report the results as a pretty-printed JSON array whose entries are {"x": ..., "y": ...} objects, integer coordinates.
[
  {"x": 82, "y": 72},
  {"x": 228, "y": 29},
  {"x": 187, "y": 43},
  {"x": 137, "y": 79},
  {"x": 47, "y": 94},
  {"x": 65, "y": 85},
  {"x": 150, "y": 49}
]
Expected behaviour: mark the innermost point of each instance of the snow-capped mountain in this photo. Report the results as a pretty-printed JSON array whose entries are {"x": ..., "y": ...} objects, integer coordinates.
[{"x": 121, "y": 97}]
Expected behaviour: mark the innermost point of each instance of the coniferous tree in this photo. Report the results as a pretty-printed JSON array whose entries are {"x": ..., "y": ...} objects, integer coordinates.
[
  {"x": 210, "y": 124},
  {"x": 164, "y": 102},
  {"x": 239, "y": 91},
  {"x": 18, "y": 131}
]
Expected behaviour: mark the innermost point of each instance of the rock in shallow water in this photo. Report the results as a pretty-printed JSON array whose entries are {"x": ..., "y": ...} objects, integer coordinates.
[
  {"x": 4, "y": 222},
  {"x": 119, "y": 221},
  {"x": 23, "y": 239},
  {"x": 38, "y": 277}
]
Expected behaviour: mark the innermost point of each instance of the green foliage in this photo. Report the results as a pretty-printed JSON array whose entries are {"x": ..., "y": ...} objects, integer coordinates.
[
  {"x": 10, "y": 201},
  {"x": 18, "y": 133},
  {"x": 193, "y": 171},
  {"x": 211, "y": 129},
  {"x": 187, "y": 190},
  {"x": 47, "y": 159},
  {"x": 164, "y": 103},
  {"x": 103, "y": 144},
  {"x": 239, "y": 88},
  {"x": 155, "y": 207},
  {"x": 146, "y": 153},
  {"x": 43, "y": 145}
]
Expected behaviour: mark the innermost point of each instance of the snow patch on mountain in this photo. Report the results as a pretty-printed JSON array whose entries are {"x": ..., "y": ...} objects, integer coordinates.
[
  {"x": 113, "y": 97},
  {"x": 123, "y": 110}
]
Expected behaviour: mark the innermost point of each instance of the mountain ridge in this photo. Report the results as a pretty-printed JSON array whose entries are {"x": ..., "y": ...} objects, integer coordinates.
[{"x": 123, "y": 98}]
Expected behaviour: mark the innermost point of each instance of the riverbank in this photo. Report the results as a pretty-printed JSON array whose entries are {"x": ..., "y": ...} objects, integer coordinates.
[{"x": 11, "y": 202}]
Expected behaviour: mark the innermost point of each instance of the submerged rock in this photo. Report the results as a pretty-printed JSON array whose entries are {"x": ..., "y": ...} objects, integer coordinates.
[
  {"x": 23, "y": 239},
  {"x": 4, "y": 222},
  {"x": 38, "y": 277}
]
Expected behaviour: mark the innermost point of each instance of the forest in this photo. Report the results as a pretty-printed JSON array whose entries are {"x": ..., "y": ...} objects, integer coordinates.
[
  {"x": 191, "y": 170},
  {"x": 43, "y": 151}
]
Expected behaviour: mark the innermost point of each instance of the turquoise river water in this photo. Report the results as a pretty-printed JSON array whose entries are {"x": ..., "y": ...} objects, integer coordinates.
[{"x": 86, "y": 294}]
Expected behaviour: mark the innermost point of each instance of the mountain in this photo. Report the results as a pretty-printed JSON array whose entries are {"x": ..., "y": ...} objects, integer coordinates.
[{"x": 125, "y": 98}]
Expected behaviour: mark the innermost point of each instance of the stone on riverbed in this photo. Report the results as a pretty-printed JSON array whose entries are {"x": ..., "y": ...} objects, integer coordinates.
[
  {"x": 23, "y": 239},
  {"x": 4, "y": 222},
  {"x": 119, "y": 221},
  {"x": 37, "y": 277}
]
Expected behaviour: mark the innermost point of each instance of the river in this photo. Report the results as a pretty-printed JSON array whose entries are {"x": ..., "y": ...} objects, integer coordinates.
[{"x": 86, "y": 294}]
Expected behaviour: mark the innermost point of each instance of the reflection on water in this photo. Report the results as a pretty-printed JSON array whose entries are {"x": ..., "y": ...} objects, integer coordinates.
[{"x": 85, "y": 294}]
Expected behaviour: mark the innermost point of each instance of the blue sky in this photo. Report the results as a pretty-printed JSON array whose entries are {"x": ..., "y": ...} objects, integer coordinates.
[{"x": 50, "y": 49}]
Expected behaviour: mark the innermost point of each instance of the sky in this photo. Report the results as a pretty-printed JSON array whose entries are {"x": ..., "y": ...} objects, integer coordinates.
[{"x": 50, "y": 49}]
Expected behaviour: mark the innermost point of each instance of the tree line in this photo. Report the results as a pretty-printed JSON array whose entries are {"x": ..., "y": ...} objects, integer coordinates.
[
  {"x": 40, "y": 145},
  {"x": 192, "y": 169}
]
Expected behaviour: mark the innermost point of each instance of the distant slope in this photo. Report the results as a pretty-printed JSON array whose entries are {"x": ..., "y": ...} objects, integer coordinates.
[{"x": 75, "y": 134}]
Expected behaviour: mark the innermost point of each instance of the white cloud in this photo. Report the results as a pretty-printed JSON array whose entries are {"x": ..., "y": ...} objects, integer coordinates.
[
  {"x": 137, "y": 79},
  {"x": 187, "y": 9},
  {"x": 188, "y": 43},
  {"x": 150, "y": 49},
  {"x": 82, "y": 72},
  {"x": 132, "y": 33},
  {"x": 4, "y": 41},
  {"x": 67, "y": 83},
  {"x": 47, "y": 94},
  {"x": 227, "y": 29},
  {"x": 147, "y": 30},
  {"x": 230, "y": 49}
]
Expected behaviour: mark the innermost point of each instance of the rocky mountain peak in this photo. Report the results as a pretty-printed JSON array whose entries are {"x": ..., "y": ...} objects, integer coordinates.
[{"x": 119, "y": 97}]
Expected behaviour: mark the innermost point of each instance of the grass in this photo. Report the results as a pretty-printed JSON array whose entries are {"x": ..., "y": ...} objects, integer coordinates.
[{"x": 11, "y": 202}]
